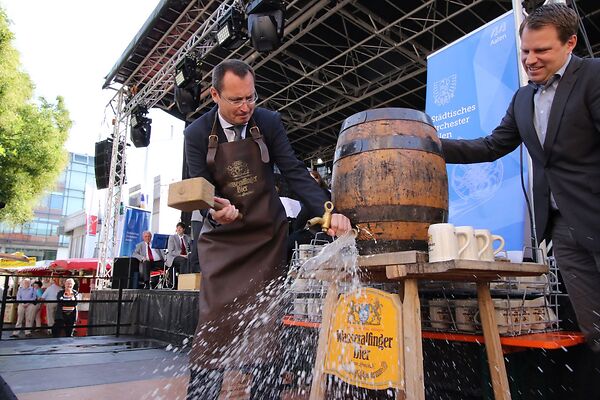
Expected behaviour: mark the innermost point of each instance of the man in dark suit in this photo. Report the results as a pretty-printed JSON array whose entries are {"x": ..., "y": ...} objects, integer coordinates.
[
  {"x": 235, "y": 146},
  {"x": 557, "y": 117},
  {"x": 150, "y": 259}
]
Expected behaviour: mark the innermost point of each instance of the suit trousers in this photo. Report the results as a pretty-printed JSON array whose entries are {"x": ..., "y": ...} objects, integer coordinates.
[
  {"x": 145, "y": 267},
  {"x": 580, "y": 270},
  {"x": 193, "y": 256}
]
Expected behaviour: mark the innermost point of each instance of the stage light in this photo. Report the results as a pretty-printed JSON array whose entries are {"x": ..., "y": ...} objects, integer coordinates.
[
  {"x": 187, "y": 84},
  {"x": 140, "y": 126},
  {"x": 187, "y": 99},
  {"x": 188, "y": 71},
  {"x": 265, "y": 24},
  {"x": 232, "y": 33}
]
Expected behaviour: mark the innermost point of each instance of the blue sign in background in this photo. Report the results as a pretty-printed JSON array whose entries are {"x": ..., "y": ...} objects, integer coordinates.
[
  {"x": 135, "y": 222},
  {"x": 470, "y": 83}
]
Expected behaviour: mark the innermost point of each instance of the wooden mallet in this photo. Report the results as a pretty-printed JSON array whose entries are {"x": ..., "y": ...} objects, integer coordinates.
[{"x": 193, "y": 194}]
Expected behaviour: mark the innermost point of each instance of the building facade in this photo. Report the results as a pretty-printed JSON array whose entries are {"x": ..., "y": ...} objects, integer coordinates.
[{"x": 41, "y": 237}]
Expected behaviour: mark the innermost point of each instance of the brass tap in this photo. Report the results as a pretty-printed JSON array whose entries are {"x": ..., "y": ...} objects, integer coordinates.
[{"x": 325, "y": 220}]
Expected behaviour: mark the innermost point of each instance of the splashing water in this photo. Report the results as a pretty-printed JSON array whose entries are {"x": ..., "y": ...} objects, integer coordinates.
[{"x": 264, "y": 358}]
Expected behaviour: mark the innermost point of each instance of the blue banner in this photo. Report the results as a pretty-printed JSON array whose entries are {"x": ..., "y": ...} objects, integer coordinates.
[
  {"x": 469, "y": 86},
  {"x": 135, "y": 222}
]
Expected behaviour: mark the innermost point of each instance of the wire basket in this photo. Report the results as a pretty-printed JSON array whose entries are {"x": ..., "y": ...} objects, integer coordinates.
[{"x": 522, "y": 305}]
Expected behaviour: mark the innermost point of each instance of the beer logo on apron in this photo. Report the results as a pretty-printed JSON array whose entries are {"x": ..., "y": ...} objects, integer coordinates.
[
  {"x": 238, "y": 169},
  {"x": 241, "y": 177}
]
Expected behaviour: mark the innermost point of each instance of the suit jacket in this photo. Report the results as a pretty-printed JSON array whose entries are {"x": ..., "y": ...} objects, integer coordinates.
[
  {"x": 568, "y": 164},
  {"x": 174, "y": 248},
  {"x": 280, "y": 153},
  {"x": 140, "y": 252}
]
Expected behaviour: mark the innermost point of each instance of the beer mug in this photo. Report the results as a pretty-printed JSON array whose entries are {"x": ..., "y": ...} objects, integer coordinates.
[
  {"x": 471, "y": 251},
  {"x": 443, "y": 243},
  {"x": 485, "y": 243}
]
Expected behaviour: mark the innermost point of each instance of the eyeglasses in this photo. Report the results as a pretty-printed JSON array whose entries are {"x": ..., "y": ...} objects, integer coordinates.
[{"x": 238, "y": 102}]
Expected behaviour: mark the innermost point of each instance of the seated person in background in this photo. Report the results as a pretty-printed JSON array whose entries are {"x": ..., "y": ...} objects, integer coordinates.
[
  {"x": 150, "y": 259},
  {"x": 299, "y": 234},
  {"x": 177, "y": 253}
]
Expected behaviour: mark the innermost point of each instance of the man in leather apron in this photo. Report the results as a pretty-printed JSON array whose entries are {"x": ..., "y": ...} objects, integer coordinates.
[{"x": 242, "y": 248}]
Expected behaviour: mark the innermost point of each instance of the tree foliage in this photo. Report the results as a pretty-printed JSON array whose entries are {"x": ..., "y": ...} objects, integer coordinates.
[{"x": 32, "y": 136}]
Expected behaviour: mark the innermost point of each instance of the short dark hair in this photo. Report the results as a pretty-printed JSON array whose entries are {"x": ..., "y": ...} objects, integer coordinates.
[
  {"x": 181, "y": 224},
  {"x": 560, "y": 16},
  {"x": 238, "y": 67}
]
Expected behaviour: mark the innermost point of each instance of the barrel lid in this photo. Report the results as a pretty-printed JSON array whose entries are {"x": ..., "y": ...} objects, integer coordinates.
[{"x": 377, "y": 114}]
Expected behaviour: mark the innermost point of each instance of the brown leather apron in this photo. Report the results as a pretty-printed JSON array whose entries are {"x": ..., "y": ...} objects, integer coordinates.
[{"x": 240, "y": 259}]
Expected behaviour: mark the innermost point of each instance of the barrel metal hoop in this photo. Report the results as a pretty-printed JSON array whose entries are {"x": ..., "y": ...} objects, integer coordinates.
[
  {"x": 389, "y": 113},
  {"x": 397, "y": 213},
  {"x": 403, "y": 141}
]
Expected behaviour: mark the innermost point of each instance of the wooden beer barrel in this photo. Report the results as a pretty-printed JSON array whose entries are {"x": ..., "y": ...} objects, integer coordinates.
[{"x": 389, "y": 177}]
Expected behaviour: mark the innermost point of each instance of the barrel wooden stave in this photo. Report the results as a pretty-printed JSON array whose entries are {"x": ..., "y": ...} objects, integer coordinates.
[{"x": 394, "y": 193}]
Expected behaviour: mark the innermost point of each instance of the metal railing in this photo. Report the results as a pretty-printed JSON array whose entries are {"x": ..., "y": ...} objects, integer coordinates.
[{"x": 12, "y": 300}]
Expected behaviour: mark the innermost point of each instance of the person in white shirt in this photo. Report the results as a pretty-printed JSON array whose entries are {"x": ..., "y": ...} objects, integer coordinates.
[
  {"x": 50, "y": 295},
  {"x": 150, "y": 259}
]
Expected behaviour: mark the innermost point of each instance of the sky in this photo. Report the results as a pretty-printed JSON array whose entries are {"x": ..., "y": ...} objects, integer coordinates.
[{"x": 67, "y": 47}]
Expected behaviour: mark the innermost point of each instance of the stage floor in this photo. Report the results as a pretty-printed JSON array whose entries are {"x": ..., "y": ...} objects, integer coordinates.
[{"x": 93, "y": 368}]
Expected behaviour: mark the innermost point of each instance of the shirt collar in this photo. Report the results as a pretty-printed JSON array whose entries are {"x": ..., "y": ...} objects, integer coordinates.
[{"x": 224, "y": 123}]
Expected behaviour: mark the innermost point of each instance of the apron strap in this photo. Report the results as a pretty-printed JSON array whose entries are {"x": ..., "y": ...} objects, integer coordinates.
[
  {"x": 213, "y": 143},
  {"x": 258, "y": 138}
]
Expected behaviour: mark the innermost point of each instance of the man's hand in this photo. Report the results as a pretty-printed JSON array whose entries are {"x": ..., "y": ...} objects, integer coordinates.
[
  {"x": 339, "y": 225},
  {"x": 227, "y": 214}
]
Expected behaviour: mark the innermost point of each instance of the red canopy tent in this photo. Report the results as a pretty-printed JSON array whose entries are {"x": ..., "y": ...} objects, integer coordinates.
[
  {"x": 75, "y": 264},
  {"x": 68, "y": 266}
]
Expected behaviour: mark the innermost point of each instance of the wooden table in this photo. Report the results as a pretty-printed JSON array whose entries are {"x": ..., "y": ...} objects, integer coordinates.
[
  {"x": 480, "y": 272},
  {"x": 408, "y": 268}
]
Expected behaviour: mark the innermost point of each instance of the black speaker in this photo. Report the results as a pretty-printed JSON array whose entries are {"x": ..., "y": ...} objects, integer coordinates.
[
  {"x": 125, "y": 273},
  {"x": 102, "y": 163},
  {"x": 102, "y": 158}
]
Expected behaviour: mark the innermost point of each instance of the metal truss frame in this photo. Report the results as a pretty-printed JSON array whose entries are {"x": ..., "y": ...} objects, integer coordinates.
[{"x": 338, "y": 58}]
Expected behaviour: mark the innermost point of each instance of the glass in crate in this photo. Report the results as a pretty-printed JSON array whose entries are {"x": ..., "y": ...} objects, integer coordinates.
[
  {"x": 307, "y": 292},
  {"x": 522, "y": 305}
]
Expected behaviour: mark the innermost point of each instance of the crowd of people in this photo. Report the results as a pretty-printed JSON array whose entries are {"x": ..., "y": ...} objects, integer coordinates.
[{"x": 60, "y": 305}]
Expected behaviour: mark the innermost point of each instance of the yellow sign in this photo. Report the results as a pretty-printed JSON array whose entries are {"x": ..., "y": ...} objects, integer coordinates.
[
  {"x": 365, "y": 340},
  {"x": 6, "y": 263}
]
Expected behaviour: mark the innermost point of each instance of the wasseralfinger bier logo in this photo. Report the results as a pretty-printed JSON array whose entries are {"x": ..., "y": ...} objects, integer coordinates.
[
  {"x": 242, "y": 179},
  {"x": 443, "y": 90},
  {"x": 364, "y": 313},
  {"x": 365, "y": 340},
  {"x": 238, "y": 169}
]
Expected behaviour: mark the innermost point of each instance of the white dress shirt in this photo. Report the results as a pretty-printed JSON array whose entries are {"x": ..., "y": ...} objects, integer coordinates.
[{"x": 228, "y": 129}]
